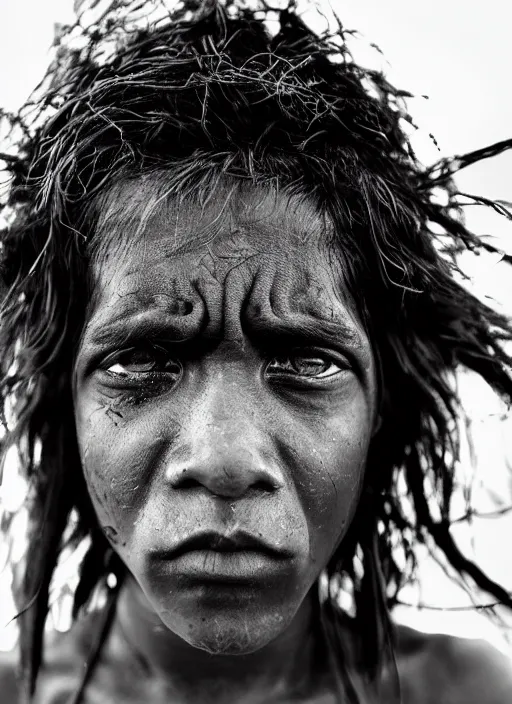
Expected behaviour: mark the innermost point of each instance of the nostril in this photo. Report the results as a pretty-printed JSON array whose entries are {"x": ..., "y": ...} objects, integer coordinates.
[
  {"x": 222, "y": 486},
  {"x": 223, "y": 478},
  {"x": 187, "y": 482},
  {"x": 263, "y": 486}
]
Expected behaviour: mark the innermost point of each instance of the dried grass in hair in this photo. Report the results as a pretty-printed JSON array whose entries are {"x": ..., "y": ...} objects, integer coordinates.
[{"x": 208, "y": 93}]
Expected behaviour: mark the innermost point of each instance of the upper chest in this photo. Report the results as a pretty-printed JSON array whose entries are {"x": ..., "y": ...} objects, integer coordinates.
[
  {"x": 109, "y": 685},
  {"x": 117, "y": 677}
]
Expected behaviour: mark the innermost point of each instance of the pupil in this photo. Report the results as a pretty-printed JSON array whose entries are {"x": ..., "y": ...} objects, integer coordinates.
[
  {"x": 309, "y": 366},
  {"x": 305, "y": 366},
  {"x": 138, "y": 360},
  {"x": 148, "y": 361}
]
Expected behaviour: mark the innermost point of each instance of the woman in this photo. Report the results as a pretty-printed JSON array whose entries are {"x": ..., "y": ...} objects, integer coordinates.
[{"x": 227, "y": 327}]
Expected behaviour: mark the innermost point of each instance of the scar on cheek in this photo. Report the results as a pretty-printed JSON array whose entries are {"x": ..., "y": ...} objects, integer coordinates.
[
  {"x": 109, "y": 408},
  {"x": 115, "y": 416}
]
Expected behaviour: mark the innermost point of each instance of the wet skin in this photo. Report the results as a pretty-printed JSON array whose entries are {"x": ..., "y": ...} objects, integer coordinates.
[{"x": 225, "y": 384}]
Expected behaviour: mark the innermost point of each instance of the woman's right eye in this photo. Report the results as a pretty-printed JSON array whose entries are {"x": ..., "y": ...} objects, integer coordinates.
[{"x": 135, "y": 362}]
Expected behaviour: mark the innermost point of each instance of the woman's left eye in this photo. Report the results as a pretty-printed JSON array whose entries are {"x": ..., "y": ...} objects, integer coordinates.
[
  {"x": 313, "y": 366},
  {"x": 134, "y": 362}
]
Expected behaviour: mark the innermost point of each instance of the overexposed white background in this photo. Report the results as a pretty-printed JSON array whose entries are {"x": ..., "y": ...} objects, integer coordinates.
[{"x": 458, "y": 53}]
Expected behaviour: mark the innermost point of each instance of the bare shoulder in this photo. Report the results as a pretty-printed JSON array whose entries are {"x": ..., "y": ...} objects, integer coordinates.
[
  {"x": 9, "y": 688},
  {"x": 55, "y": 680},
  {"x": 64, "y": 657},
  {"x": 62, "y": 667},
  {"x": 440, "y": 668}
]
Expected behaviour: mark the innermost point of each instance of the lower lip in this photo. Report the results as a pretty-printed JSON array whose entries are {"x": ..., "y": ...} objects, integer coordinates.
[{"x": 236, "y": 566}]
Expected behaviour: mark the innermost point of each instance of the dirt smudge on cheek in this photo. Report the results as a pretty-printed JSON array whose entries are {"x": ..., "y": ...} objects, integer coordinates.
[
  {"x": 122, "y": 449},
  {"x": 120, "y": 464},
  {"x": 102, "y": 499},
  {"x": 99, "y": 434}
]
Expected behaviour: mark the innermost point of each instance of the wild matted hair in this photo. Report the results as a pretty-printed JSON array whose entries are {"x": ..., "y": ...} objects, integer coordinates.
[{"x": 208, "y": 91}]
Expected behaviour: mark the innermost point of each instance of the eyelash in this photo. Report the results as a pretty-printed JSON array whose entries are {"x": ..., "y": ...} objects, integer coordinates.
[{"x": 156, "y": 351}]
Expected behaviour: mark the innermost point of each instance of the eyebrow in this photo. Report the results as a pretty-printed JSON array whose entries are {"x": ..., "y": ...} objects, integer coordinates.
[
  {"x": 264, "y": 332},
  {"x": 304, "y": 329},
  {"x": 128, "y": 325}
]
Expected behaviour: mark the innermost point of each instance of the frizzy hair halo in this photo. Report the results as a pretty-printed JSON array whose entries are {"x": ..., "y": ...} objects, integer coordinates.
[{"x": 207, "y": 92}]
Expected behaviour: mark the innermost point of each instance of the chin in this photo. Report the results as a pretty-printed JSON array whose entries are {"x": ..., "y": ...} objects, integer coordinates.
[{"x": 228, "y": 634}]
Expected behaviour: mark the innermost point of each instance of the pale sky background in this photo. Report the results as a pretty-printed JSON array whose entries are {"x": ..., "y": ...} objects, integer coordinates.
[{"x": 458, "y": 52}]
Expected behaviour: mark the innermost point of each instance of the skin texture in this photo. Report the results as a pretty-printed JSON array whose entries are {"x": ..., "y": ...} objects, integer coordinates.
[
  {"x": 223, "y": 383},
  {"x": 433, "y": 669},
  {"x": 232, "y": 439}
]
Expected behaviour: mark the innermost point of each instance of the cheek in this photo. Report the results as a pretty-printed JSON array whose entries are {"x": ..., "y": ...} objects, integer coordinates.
[
  {"x": 331, "y": 457},
  {"x": 118, "y": 458},
  {"x": 322, "y": 448}
]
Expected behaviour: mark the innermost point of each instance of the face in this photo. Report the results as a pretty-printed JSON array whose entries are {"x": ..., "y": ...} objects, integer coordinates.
[{"x": 224, "y": 400}]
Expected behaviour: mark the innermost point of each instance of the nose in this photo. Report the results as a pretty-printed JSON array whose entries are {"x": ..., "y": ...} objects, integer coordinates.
[{"x": 225, "y": 450}]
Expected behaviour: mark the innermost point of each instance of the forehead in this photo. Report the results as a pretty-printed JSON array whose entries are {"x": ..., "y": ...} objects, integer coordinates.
[
  {"x": 236, "y": 253},
  {"x": 143, "y": 211}
]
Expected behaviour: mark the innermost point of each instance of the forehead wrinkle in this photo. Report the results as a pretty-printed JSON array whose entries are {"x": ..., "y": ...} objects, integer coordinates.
[
  {"x": 315, "y": 290},
  {"x": 235, "y": 207},
  {"x": 137, "y": 292},
  {"x": 162, "y": 318},
  {"x": 229, "y": 245},
  {"x": 271, "y": 305},
  {"x": 235, "y": 231},
  {"x": 187, "y": 239}
]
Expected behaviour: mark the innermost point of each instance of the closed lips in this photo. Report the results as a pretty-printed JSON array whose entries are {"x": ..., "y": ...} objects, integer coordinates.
[{"x": 218, "y": 542}]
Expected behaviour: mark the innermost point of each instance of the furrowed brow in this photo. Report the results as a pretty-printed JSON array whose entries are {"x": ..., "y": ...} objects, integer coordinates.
[
  {"x": 303, "y": 330},
  {"x": 124, "y": 327}
]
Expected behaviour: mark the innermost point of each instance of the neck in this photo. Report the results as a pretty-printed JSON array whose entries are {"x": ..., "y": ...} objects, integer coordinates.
[{"x": 286, "y": 668}]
